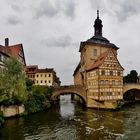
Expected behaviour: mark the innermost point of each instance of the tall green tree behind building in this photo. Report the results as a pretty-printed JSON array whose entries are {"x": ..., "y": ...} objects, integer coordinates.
[
  {"x": 132, "y": 77},
  {"x": 12, "y": 80}
]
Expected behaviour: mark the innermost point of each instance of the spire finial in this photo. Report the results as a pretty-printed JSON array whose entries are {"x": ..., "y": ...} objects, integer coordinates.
[
  {"x": 98, "y": 25},
  {"x": 97, "y": 13}
]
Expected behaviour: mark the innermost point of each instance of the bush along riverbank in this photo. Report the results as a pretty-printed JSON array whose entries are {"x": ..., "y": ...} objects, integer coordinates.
[{"x": 38, "y": 99}]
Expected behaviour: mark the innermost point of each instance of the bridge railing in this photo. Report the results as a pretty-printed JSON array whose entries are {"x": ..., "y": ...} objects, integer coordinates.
[{"x": 68, "y": 86}]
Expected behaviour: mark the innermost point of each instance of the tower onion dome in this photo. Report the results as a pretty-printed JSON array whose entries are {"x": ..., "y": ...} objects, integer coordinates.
[
  {"x": 98, "y": 26},
  {"x": 98, "y": 38}
]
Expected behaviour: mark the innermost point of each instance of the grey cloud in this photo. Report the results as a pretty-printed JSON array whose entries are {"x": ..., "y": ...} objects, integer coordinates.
[
  {"x": 120, "y": 9},
  {"x": 128, "y": 9},
  {"x": 69, "y": 8},
  {"x": 47, "y": 8},
  {"x": 129, "y": 62},
  {"x": 63, "y": 41},
  {"x": 51, "y": 8},
  {"x": 13, "y": 20},
  {"x": 15, "y": 7}
]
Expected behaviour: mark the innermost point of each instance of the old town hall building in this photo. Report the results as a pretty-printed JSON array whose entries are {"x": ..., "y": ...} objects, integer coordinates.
[{"x": 99, "y": 70}]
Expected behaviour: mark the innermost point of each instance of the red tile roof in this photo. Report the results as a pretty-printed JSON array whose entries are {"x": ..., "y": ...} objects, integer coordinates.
[
  {"x": 98, "y": 61},
  {"x": 5, "y": 50},
  {"x": 13, "y": 50},
  {"x": 44, "y": 70}
]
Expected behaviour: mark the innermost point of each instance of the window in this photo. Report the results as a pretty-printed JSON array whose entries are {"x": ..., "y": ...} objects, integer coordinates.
[
  {"x": 119, "y": 82},
  {"x": 106, "y": 82},
  {"x": 111, "y": 73},
  {"x": 101, "y": 81},
  {"x": 45, "y": 81},
  {"x": 101, "y": 93},
  {"x": 41, "y": 81},
  {"x": 45, "y": 75},
  {"x": 49, "y": 81},
  {"x": 94, "y": 52},
  {"x": 96, "y": 72},
  {"x": 41, "y": 75},
  {"x": 119, "y": 73},
  {"x": 103, "y": 72},
  {"x": 37, "y": 81},
  {"x": 49, "y": 75},
  {"x": 113, "y": 82},
  {"x": 37, "y": 75}
]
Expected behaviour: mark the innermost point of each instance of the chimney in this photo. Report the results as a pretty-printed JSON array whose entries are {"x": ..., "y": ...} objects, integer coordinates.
[{"x": 6, "y": 41}]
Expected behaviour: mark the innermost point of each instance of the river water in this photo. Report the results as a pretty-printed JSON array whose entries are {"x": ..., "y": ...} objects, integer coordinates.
[{"x": 70, "y": 121}]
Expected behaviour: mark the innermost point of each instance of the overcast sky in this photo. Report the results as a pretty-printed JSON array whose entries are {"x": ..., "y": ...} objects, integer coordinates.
[{"x": 51, "y": 30}]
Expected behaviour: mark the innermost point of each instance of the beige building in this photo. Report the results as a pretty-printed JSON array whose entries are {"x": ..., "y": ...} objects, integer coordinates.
[
  {"x": 99, "y": 70},
  {"x": 42, "y": 76}
]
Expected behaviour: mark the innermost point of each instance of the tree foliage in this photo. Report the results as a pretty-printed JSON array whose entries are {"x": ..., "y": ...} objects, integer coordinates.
[
  {"x": 12, "y": 80},
  {"x": 29, "y": 84},
  {"x": 132, "y": 77},
  {"x": 38, "y": 99}
]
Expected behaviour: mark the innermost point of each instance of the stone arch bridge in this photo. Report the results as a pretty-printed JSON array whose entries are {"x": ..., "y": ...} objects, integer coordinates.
[
  {"x": 81, "y": 91},
  {"x": 71, "y": 89}
]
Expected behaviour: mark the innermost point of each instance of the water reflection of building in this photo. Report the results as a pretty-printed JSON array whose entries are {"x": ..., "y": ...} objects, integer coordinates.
[{"x": 99, "y": 70}]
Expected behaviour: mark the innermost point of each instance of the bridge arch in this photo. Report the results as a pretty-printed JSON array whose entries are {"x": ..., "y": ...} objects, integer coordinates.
[
  {"x": 73, "y": 90},
  {"x": 128, "y": 87},
  {"x": 131, "y": 91}
]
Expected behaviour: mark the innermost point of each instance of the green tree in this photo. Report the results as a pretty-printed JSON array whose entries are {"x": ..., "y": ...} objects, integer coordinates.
[
  {"x": 29, "y": 84},
  {"x": 12, "y": 83},
  {"x": 132, "y": 77}
]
